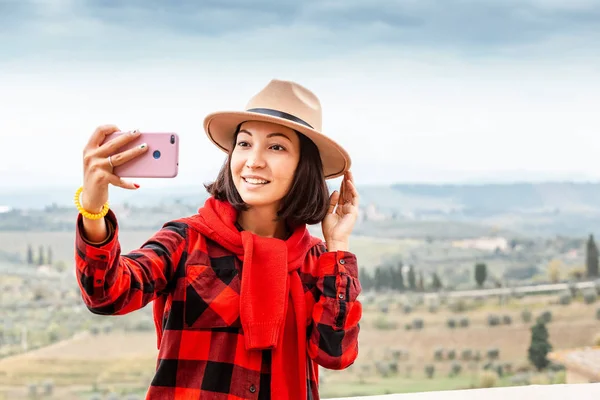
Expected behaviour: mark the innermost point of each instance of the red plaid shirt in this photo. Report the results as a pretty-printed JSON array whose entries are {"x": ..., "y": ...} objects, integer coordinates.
[{"x": 197, "y": 285}]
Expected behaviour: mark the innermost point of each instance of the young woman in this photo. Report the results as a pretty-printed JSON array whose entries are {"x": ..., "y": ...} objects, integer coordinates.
[{"x": 246, "y": 302}]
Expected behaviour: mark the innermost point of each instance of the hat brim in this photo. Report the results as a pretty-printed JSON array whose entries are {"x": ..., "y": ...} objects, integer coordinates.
[{"x": 220, "y": 128}]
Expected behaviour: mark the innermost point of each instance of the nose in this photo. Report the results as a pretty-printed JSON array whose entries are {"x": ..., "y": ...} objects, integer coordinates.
[{"x": 255, "y": 159}]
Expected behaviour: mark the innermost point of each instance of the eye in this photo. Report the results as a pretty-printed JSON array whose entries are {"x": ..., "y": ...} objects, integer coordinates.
[
  {"x": 243, "y": 144},
  {"x": 278, "y": 147}
]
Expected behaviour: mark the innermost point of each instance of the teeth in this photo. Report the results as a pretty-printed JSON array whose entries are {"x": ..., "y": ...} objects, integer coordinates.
[{"x": 255, "y": 181}]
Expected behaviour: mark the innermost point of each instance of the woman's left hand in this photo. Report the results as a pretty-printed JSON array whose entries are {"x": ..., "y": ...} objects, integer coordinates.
[{"x": 339, "y": 221}]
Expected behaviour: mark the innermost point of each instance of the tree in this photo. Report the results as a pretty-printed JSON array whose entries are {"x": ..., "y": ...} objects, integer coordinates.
[
  {"x": 421, "y": 282},
  {"x": 412, "y": 278},
  {"x": 480, "y": 273},
  {"x": 554, "y": 268},
  {"x": 400, "y": 278},
  {"x": 30, "y": 255},
  {"x": 540, "y": 345},
  {"x": 591, "y": 258},
  {"x": 436, "y": 282},
  {"x": 41, "y": 256},
  {"x": 49, "y": 256},
  {"x": 378, "y": 279}
]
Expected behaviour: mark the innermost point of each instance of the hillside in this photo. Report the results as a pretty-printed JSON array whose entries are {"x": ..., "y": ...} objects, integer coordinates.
[{"x": 538, "y": 209}]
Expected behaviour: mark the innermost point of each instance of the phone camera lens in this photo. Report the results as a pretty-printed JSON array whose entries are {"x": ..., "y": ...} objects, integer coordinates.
[
  {"x": 156, "y": 154},
  {"x": 172, "y": 139}
]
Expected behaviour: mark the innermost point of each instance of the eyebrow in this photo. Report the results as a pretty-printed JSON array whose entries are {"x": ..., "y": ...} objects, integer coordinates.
[{"x": 270, "y": 135}]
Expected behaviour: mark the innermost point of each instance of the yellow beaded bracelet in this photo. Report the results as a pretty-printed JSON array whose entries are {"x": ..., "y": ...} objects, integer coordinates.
[{"x": 84, "y": 212}]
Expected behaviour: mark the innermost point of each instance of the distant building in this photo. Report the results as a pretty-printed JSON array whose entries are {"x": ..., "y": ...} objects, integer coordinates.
[
  {"x": 583, "y": 364},
  {"x": 371, "y": 213},
  {"x": 483, "y": 243}
]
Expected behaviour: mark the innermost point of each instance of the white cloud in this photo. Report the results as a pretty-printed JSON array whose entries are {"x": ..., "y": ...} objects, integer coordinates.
[{"x": 439, "y": 94}]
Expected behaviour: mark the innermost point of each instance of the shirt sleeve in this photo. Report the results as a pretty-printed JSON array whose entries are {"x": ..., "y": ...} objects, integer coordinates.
[
  {"x": 112, "y": 283},
  {"x": 333, "y": 341}
]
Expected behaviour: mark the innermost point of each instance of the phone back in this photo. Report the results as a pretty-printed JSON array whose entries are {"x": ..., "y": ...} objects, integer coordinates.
[{"x": 161, "y": 160}]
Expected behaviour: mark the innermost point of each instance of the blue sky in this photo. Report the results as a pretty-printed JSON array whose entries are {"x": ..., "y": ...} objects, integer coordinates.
[{"x": 416, "y": 90}]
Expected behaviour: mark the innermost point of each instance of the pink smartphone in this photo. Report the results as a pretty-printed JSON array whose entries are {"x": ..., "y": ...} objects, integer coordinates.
[{"x": 161, "y": 160}]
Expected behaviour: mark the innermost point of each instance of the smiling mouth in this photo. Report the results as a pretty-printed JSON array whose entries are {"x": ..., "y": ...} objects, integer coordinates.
[{"x": 255, "y": 181}]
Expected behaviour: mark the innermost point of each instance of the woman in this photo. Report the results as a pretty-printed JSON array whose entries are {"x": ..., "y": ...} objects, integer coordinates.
[{"x": 247, "y": 303}]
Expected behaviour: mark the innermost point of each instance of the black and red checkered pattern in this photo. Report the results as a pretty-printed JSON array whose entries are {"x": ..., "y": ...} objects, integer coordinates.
[{"x": 194, "y": 285}]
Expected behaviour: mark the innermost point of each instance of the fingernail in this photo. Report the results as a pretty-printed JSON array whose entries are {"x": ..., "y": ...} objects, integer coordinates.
[
  {"x": 143, "y": 146},
  {"x": 136, "y": 185},
  {"x": 135, "y": 132}
]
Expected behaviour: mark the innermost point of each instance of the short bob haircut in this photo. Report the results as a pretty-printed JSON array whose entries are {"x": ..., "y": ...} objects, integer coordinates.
[{"x": 307, "y": 200}]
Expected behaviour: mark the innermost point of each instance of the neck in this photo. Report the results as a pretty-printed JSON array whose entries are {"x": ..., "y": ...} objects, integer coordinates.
[{"x": 261, "y": 221}]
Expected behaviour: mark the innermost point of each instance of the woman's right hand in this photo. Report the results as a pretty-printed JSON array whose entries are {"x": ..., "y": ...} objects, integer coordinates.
[{"x": 97, "y": 169}]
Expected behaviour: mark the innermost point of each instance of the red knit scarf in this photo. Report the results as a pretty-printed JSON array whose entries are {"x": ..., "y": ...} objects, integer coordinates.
[{"x": 269, "y": 279}]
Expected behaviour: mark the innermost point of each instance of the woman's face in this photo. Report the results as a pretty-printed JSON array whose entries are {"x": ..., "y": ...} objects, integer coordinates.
[{"x": 263, "y": 162}]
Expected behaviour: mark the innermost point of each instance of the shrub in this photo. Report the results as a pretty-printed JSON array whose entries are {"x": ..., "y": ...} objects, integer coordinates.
[
  {"x": 464, "y": 322},
  {"x": 32, "y": 390},
  {"x": 500, "y": 370},
  {"x": 407, "y": 309},
  {"x": 488, "y": 379},
  {"x": 556, "y": 367},
  {"x": 466, "y": 355},
  {"x": 418, "y": 323},
  {"x": 589, "y": 297},
  {"x": 429, "y": 370},
  {"x": 384, "y": 308},
  {"x": 393, "y": 367},
  {"x": 419, "y": 300},
  {"x": 596, "y": 341},
  {"x": 573, "y": 289},
  {"x": 433, "y": 308},
  {"x": 144, "y": 325},
  {"x": 451, "y": 323},
  {"x": 598, "y": 314},
  {"x": 48, "y": 388},
  {"x": 493, "y": 354},
  {"x": 407, "y": 326},
  {"x": 381, "y": 323},
  {"x": 455, "y": 369},
  {"x": 545, "y": 317},
  {"x": 400, "y": 355},
  {"x": 438, "y": 354},
  {"x": 382, "y": 369},
  {"x": 506, "y": 320},
  {"x": 565, "y": 299},
  {"x": 458, "y": 305},
  {"x": 493, "y": 320},
  {"x": 451, "y": 354},
  {"x": 526, "y": 316}
]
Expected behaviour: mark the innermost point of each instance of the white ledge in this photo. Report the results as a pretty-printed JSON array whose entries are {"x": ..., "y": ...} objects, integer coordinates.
[{"x": 582, "y": 391}]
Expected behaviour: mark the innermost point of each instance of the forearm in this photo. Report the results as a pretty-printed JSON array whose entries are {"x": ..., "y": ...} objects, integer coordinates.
[{"x": 112, "y": 283}]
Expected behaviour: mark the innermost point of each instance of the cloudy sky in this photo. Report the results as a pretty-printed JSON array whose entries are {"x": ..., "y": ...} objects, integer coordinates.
[{"x": 417, "y": 90}]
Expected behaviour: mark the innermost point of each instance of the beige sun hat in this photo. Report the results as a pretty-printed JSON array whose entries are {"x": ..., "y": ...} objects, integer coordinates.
[{"x": 286, "y": 103}]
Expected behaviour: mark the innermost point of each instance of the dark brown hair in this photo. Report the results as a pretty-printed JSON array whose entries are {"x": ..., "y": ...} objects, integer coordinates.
[{"x": 307, "y": 200}]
